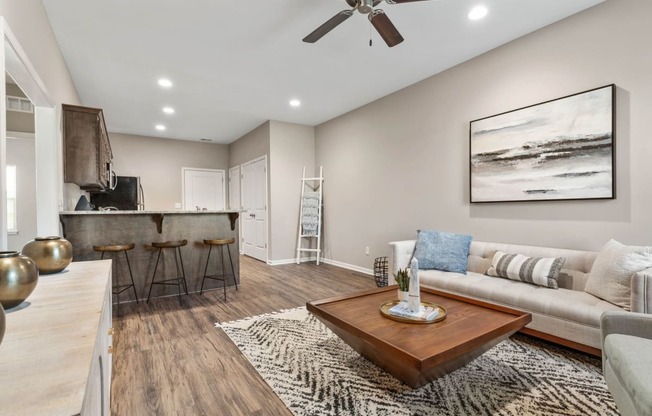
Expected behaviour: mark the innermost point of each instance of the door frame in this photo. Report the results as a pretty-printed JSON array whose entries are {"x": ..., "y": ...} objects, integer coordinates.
[
  {"x": 239, "y": 207},
  {"x": 239, "y": 176},
  {"x": 49, "y": 157},
  {"x": 267, "y": 205},
  {"x": 183, "y": 185}
]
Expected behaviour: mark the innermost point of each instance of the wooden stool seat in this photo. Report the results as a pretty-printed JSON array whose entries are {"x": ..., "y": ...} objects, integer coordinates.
[
  {"x": 118, "y": 288},
  {"x": 170, "y": 244},
  {"x": 114, "y": 248},
  {"x": 219, "y": 243},
  {"x": 180, "y": 279}
]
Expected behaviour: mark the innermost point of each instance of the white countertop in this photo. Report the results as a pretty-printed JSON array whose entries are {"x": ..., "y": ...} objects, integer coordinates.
[
  {"x": 144, "y": 212},
  {"x": 48, "y": 347}
]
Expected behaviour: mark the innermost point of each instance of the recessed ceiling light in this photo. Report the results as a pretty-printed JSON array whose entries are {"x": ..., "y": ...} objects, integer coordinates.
[
  {"x": 160, "y": 127},
  {"x": 168, "y": 110},
  {"x": 165, "y": 83},
  {"x": 295, "y": 103},
  {"x": 478, "y": 12}
]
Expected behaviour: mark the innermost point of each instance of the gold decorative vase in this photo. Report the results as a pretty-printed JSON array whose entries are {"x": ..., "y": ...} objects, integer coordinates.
[
  {"x": 51, "y": 254},
  {"x": 2, "y": 323},
  {"x": 18, "y": 278}
]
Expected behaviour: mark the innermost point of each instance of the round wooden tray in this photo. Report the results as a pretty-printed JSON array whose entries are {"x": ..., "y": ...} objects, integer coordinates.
[{"x": 384, "y": 310}]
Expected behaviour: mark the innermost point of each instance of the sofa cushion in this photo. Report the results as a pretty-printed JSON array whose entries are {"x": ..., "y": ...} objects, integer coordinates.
[
  {"x": 631, "y": 360},
  {"x": 477, "y": 264},
  {"x": 565, "y": 304},
  {"x": 576, "y": 267},
  {"x": 611, "y": 275},
  {"x": 442, "y": 251},
  {"x": 540, "y": 271}
]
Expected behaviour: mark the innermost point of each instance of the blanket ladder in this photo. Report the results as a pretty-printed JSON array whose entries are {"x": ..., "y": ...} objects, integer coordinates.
[{"x": 310, "y": 212}]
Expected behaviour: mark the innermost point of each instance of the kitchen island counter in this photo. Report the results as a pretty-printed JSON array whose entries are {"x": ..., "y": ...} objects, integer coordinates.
[
  {"x": 84, "y": 229},
  {"x": 122, "y": 212}
]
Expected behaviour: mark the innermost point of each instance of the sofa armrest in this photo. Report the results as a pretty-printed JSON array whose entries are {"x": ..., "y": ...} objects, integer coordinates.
[
  {"x": 626, "y": 323},
  {"x": 400, "y": 254},
  {"x": 641, "y": 299}
]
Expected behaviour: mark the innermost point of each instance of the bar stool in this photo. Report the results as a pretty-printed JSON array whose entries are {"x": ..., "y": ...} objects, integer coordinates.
[
  {"x": 117, "y": 287},
  {"x": 223, "y": 276},
  {"x": 180, "y": 280}
]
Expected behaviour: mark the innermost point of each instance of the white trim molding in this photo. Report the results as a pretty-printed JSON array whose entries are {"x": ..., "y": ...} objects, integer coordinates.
[
  {"x": 336, "y": 263},
  {"x": 20, "y": 135},
  {"x": 353, "y": 267}
]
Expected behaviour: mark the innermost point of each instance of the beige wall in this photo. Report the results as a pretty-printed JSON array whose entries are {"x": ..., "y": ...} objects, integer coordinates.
[
  {"x": 17, "y": 120},
  {"x": 250, "y": 146},
  {"x": 288, "y": 147},
  {"x": 158, "y": 162},
  {"x": 292, "y": 147},
  {"x": 402, "y": 162},
  {"x": 29, "y": 23},
  {"x": 20, "y": 152}
]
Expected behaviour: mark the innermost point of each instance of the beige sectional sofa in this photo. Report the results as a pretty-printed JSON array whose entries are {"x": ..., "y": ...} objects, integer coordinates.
[{"x": 567, "y": 315}]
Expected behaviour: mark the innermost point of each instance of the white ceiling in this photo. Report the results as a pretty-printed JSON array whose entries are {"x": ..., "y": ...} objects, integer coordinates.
[{"x": 236, "y": 64}]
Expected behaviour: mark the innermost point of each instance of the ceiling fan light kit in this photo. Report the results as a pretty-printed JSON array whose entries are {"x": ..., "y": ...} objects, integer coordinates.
[{"x": 377, "y": 17}]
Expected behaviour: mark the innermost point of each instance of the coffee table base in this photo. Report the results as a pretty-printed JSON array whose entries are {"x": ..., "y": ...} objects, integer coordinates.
[
  {"x": 413, "y": 377},
  {"x": 418, "y": 354}
]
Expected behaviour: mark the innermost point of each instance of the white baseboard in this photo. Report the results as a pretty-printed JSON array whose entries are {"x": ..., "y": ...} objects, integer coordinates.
[
  {"x": 281, "y": 262},
  {"x": 348, "y": 266},
  {"x": 323, "y": 260},
  {"x": 290, "y": 261}
]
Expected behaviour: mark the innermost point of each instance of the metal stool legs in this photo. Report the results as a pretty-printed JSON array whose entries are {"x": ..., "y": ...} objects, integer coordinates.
[
  {"x": 223, "y": 276},
  {"x": 179, "y": 281},
  {"x": 117, "y": 287}
]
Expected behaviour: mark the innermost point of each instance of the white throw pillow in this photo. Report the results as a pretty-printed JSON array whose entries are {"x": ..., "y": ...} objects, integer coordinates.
[{"x": 611, "y": 275}]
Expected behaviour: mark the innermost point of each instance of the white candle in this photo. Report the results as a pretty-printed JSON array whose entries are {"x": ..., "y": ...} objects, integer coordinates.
[{"x": 414, "y": 299}]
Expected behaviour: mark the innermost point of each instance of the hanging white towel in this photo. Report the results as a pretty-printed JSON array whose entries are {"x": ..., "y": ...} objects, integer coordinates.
[{"x": 310, "y": 217}]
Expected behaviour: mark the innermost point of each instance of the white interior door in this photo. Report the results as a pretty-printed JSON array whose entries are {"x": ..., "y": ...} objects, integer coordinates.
[
  {"x": 234, "y": 188},
  {"x": 254, "y": 209},
  {"x": 203, "y": 189}
]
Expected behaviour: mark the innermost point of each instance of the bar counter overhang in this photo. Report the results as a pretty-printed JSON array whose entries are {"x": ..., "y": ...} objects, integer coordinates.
[{"x": 84, "y": 229}]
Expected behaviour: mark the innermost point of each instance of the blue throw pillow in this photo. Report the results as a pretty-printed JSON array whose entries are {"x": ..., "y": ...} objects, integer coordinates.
[{"x": 442, "y": 251}]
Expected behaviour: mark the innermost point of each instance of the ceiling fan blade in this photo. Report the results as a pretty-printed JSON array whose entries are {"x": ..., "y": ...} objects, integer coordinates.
[
  {"x": 385, "y": 28},
  {"x": 328, "y": 26}
]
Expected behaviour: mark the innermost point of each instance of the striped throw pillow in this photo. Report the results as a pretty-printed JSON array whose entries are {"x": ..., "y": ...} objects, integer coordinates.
[{"x": 540, "y": 271}]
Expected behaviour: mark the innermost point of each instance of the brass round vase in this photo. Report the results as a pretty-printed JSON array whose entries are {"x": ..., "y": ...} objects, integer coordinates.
[
  {"x": 2, "y": 323},
  {"x": 51, "y": 254},
  {"x": 18, "y": 278}
]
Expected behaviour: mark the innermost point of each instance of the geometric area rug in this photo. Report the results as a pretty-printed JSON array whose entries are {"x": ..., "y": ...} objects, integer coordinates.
[{"x": 315, "y": 373}]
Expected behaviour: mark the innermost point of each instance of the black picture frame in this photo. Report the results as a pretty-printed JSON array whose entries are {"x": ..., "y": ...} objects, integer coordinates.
[{"x": 561, "y": 149}]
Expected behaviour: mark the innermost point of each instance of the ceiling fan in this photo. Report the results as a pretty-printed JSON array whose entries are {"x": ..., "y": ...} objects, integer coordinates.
[{"x": 377, "y": 17}]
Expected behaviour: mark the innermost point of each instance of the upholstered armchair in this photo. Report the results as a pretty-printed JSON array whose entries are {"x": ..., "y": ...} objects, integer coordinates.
[{"x": 627, "y": 360}]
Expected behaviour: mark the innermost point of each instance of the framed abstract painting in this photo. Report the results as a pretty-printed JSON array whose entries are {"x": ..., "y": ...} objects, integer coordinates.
[{"x": 561, "y": 149}]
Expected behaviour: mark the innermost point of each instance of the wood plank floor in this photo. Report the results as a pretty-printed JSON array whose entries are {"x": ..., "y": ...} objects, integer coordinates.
[{"x": 171, "y": 360}]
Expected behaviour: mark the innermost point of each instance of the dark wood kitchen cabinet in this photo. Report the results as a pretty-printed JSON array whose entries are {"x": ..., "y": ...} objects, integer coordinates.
[{"x": 87, "y": 150}]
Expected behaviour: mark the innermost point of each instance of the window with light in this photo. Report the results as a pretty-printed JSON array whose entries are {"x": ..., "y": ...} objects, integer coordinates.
[{"x": 12, "y": 224}]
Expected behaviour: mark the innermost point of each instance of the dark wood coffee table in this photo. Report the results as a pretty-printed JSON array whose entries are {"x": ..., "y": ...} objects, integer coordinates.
[{"x": 415, "y": 353}]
